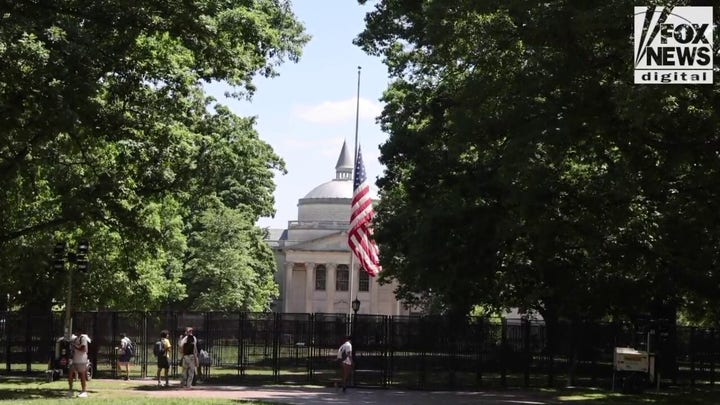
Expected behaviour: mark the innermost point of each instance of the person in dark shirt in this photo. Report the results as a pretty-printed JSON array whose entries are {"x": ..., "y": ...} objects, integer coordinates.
[{"x": 190, "y": 360}]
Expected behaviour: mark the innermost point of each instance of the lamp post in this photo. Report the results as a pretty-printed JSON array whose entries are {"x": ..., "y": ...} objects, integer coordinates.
[
  {"x": 80, "y": 259},
  {"x": 355, "y": 308}
]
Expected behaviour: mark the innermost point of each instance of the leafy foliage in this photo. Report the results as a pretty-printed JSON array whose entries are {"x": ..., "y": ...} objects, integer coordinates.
[
  {"x": 106, "y": 134},
  {"x": 524, "y": 169}
]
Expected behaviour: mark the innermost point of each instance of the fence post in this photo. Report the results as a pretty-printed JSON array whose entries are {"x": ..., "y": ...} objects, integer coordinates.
[
  {"x": 525, "y": 322},
  {"x": 144, "y": 334},
  {"x": 28, "y": 344},
  {"x": 276, "y": 346},
  {"x": 172, "y": 327},
  {"x": 389, "y": 348},
  {"x": 96, "y": 335},
  {"x": 240, "y": 348},
  {"x": 6, "y": 334},
  {"x": 113, "y": 352},
  {"x": 310, "y": 345},
  {"x": 551, "y": 333},
  {"x": 385, "y": 363},
  {"x": 479, "y": 344},
  {"x": 713, "y": 351},
  {"x": 692, "y": 356},
  {"x": 503, "y": 353}
]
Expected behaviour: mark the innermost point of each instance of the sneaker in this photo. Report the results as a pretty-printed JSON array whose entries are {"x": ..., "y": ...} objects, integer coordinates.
[
  {"x": 82, "y": 395},
  {"x": 70, "y": 394}
]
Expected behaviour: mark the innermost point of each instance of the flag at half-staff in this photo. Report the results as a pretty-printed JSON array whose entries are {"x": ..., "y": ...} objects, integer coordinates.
[{"x": 360, "y": 236}]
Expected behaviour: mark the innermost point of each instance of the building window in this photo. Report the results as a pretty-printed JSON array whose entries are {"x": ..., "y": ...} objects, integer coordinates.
[
  {"x": 364, "y": 281},
  {"x": 342, "y": 278},
  {"x": 320, "y": 277}
]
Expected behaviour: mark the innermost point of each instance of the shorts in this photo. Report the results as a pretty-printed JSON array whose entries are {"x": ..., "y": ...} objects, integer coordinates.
[
  {"x": 124, "y": 358},
  {"x": 79, "y": 367},
  {"x": 163, "y": 362},
  {"x": 188, "y": 361}
]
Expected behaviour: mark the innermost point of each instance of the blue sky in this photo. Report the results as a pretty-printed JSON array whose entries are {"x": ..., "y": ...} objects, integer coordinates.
[{"x": 307, "y": 112}]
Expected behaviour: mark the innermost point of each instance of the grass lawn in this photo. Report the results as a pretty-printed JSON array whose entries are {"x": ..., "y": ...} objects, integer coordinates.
[
  {"x": 113, "y": 392},
  {"x": 668, "y": 396}
]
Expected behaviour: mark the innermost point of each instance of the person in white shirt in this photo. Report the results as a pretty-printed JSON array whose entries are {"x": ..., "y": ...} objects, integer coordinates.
[
  {"x": 344, "y": 355},
  {"x": 79, "y": 346},
  {"x": 124, "y": 356}
]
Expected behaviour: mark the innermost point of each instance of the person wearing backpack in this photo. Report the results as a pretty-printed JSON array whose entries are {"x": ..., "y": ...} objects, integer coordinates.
[
  {"x": 79, "y": 363},
  {"x": 190, "y": 360},
  {"x": 125, "y": 351},
  {"x": 345, "y": 357},
  {"x": 161, "y": 350}
]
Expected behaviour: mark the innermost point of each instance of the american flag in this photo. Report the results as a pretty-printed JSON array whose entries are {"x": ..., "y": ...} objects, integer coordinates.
[{"x": 362, "y": 213}]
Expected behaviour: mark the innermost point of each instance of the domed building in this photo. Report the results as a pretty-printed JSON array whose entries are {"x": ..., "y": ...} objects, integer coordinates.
[{"x": 314, "y": 259}]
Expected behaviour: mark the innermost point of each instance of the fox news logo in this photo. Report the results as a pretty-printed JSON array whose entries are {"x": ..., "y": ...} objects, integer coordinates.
[{"x": 673, "y": 45}]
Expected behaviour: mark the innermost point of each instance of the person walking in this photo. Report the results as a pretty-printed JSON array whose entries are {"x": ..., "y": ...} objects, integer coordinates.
[
  {"x": 188, "y": 345},
  {"x": 344, "y": 355},
  {"x": 79, "y": 346},
  {"x": 125, "y": 353},
  {"x": 162, "y": 352}
]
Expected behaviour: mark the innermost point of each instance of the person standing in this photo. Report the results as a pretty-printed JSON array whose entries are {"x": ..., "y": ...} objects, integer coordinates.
[
  {"x": 344, "y": 355},
  {"x": 162, "y": 351},
  {"x": 188, "y": 346},
  {"x": 124, "y": 354},
  {"x": 79, "y": 346}
]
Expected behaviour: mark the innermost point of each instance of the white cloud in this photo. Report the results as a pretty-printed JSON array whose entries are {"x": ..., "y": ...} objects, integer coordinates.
[{"x": 334, "y": 112}]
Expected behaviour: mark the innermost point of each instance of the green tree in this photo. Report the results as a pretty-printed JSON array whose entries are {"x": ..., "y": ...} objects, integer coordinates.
[
  {"x": 230, "y": 267},
  {"x": 525, "y": 169},
  {"x": 105, "y": 130},
  {"x": 228, "y": 263}
]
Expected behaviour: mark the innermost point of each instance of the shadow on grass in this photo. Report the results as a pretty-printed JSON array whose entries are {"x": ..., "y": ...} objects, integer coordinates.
[
  {"x": 32, "y": 393},
  {"x": 667, "y": 396}
]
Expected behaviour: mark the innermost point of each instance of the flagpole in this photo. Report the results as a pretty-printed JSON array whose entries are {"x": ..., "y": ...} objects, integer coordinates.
[
  {"x": 357, "y": 117},
  {"x": 355, "y": 156}
]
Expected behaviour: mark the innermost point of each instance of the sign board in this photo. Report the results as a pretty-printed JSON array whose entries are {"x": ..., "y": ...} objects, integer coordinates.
[{"x": 628, "y": 359}]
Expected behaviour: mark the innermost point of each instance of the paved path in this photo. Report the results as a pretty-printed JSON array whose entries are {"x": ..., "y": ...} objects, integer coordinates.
[{"x": 321, "y": 395}]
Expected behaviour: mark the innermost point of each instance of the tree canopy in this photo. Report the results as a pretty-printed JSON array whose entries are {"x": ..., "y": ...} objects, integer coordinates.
[
  {"x": 106, "y": 134},
  {"x": 525, "y": 169}
]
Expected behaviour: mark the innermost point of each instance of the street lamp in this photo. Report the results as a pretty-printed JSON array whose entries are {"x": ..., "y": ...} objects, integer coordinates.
[
  {"x": 80, "y": 259},
  {"x": 355, "y": 307}
]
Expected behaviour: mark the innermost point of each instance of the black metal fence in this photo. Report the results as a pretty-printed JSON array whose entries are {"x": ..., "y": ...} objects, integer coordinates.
[{"x": 409, "y": 352}]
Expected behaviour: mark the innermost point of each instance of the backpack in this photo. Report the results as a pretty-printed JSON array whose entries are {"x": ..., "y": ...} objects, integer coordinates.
[
  {"x": 189, "y": 346},
  {"x": 204, "y": 358},
  {"x": 130, "y": 348},
  {"x": 159, "y": 349},
  {"x": 78, "y": 340}
]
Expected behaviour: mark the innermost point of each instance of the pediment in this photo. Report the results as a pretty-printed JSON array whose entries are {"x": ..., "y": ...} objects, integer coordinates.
[{"x": 335, "y": 242}]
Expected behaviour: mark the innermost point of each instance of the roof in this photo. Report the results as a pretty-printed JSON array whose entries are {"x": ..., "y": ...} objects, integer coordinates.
[
  {"x": 341, "y": 187},
  {"x": 332, "y": 189}
]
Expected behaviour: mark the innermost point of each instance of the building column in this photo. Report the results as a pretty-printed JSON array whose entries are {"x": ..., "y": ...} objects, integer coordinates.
[
  {"x": 330, "y": 287},
  {"x": 309, "y": 286},
  {"x": 288, "y": 286}
]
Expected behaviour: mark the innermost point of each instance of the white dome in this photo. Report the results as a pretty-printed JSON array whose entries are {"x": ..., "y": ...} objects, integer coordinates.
[
  {"x": 332, "y": 189},
  {"x": 331, "y": 200}
]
